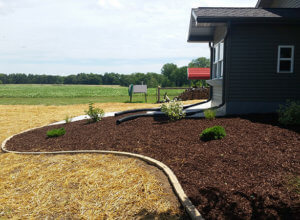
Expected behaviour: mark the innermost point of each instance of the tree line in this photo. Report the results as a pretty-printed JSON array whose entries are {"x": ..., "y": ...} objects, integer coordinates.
[{"x": 171, "y": 75}]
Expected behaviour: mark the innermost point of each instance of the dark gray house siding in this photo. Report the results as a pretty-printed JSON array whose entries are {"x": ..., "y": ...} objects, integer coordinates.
[
  {"x": 286, "y": 4},
  {"x": 252, "y": 81},
  {"x": 278, "y": 4}
]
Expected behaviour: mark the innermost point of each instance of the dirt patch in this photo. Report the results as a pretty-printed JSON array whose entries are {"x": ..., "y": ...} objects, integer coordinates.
[
  {"x": 194, "y": 93},
  {"x": 242, "y": 176}
]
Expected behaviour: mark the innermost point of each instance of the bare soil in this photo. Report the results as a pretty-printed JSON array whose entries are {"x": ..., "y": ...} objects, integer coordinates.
[
  {"x": 246, "y": 175},
  {"x": 194, "y": 93}
]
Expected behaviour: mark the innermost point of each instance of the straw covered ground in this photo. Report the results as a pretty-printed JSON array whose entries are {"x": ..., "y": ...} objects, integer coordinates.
[
  {"x": 81, "y": 186},
  {"x": 77, "y": 186}
]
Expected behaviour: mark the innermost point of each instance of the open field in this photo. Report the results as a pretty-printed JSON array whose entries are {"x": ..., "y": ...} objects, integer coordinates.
[
  {"x": 72, "y": 94},
  {"x": 133, "y": 192}
]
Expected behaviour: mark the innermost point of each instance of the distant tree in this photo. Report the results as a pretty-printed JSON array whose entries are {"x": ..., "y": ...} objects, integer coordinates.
[
  {"x": 111, "y": 79},
  {"x": 125, "y": 80},
  {"x": 179, "y": 76},
  {"x": 200, "y": 62},
  {"x": 151, "y": 79},
  {"x": 167, "y": 69},
  {"x": 3, "y": 78},
  {"x": 1, "y": 82},
  {"x": 171, "y": 75},
  {"x": 71, "y": 79}
]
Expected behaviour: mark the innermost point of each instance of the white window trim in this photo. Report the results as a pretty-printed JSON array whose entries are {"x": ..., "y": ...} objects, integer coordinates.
[
  {"x": 288, "y": 59},
  {"x": 219, "y": 60}
]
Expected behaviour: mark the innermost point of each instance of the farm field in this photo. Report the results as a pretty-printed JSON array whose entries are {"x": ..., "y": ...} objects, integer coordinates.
[{"x": 19, "y": 94}]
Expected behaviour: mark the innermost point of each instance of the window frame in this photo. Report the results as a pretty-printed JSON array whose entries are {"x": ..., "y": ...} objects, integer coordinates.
[
  {"x": 279, "y": 59},
  {"x": 218, "y": 60}
]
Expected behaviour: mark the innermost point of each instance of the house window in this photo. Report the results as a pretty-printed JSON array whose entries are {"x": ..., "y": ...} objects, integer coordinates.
[
  {"x": 218, "y": 60},
  {"x": 285, "y": 63}
]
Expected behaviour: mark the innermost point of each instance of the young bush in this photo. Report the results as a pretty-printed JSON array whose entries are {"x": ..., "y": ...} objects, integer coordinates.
[
  {"x": 96, "y": 114},
  {"x": 213, "y": 133},
  {"x": 173, "y": 109},
  {"x": 56, "y": 132},
  {"x": 289, "y": 114},
  {"x": 210, "y": 114},
  {"x": 68, "y": 119}
]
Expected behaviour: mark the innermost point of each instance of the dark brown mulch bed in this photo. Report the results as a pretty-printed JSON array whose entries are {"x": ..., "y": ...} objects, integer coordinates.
[{"x": 246, "y": 175}]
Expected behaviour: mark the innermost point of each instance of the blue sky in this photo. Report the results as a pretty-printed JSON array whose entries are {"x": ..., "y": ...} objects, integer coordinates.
[{"x": 64, "y": 37}]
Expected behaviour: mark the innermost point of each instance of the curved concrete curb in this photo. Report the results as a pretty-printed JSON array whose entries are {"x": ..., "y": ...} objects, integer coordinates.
[{"x": 184, "y": 200}]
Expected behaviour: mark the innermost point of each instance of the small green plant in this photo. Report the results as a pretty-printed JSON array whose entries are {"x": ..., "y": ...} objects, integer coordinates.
[
  {"x": 210, "y": 114},
  {"x": 289, "y": 114},
  {"x": 56, "y": 132},
  {"x": 174, "y": 110},
  {"x": 96, "y": 114},
  {"x": 68, "y": 119},
  {"x": 213, "y": 133}
]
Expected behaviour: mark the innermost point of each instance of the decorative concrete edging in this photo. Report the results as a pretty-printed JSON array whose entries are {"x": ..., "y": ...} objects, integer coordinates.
[{"x": 184, "y": 200}]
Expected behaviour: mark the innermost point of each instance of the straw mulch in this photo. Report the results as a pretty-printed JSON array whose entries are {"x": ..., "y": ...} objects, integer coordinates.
[
  {"x": 77, "y": 186},
  {"x": 16, "y": 118},
  {"x": 80, "y": 186}
]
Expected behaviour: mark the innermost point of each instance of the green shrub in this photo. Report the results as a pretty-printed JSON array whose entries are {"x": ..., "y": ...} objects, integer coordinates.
[
  {"x": 56, "y": 132},
  {"x": 289, "y": 114},
  {"x": 213, "y": 133},
  {"x": 96, "y": 114},
  {"x": 174, "y": 110},
  {"x": 210, "y": 114}
]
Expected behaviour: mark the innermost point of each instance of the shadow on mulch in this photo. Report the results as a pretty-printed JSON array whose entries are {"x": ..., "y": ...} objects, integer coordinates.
[
  {"x": 270, "y": 119},
  {"x": 260, "y": 208},
  {"x": 146, "y": 215}
]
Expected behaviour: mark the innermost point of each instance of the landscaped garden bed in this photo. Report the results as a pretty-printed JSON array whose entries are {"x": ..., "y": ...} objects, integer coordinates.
[{"x": 251, "y": 173}]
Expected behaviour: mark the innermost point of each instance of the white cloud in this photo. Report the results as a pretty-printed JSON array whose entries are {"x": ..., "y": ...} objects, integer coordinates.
[
  {"x": 59, "y": 36},
  {"x": 115, "y": 4}
]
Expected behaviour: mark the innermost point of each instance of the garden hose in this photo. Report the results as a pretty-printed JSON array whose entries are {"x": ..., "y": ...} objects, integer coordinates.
[{"x": 157, "y": 109}]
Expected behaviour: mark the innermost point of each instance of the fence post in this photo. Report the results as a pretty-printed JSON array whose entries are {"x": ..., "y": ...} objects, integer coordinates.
[{"x": 158, "y": 94}]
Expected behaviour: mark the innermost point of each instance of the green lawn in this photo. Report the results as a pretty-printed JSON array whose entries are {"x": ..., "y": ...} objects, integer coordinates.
[{"x": 13, "y": 94}]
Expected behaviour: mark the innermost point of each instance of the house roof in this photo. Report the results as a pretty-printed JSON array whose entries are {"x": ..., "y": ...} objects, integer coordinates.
[
  {"x": 204, "y": 20},
  {"x": 198, "y": 73},
  {"x": 245, "y": 14}
]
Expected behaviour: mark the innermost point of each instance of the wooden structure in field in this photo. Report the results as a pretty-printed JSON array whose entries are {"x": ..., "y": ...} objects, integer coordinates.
[{"x": 137, "y": 89}]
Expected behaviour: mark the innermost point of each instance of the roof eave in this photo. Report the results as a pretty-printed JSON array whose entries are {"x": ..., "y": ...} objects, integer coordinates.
[
  {"x": 258, "y": 4},
  {"x": 203, "y": 39},
  {"x": 264, "y": 3},
  {"x": 246, "y": 19}
]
